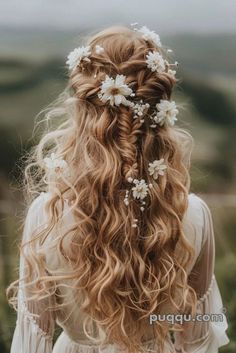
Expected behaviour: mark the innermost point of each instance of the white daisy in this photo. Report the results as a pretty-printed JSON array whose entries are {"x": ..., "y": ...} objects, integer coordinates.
[
  {"x": 56, "y": 165},
  {"x": 99, "y": 49},
  {"x": 115, "y": 91},
  {"x": 167, "y": 112},
  {"x": 157, "y": 167},
  {"x": 78, "y": 54},
  {"x": 140, "y": 189},
  {"x": 149, "y": 35},
  {"x": 155, "y": 62}
]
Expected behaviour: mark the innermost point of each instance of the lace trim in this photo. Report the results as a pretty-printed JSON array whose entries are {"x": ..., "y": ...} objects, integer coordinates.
[
  {"x": 200, "y": 301},
  {"x": 209, "y": 290},
  {"x": 29, "y": 316}
]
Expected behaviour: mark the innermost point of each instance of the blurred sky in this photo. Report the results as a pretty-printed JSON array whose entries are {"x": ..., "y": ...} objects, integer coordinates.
[{"x": 200, "y": 16}]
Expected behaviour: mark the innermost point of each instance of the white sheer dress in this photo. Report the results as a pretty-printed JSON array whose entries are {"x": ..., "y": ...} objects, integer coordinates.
[{"x": 34, "y": 333}]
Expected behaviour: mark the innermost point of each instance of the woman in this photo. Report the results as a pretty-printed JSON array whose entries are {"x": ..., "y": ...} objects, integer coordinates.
[{"x": 115, "y": 250}]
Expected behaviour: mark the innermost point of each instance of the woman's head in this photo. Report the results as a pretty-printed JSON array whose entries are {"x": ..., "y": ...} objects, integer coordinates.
[
  {"x": 125, "y": 272},
  {"x": 124, "y": 52}
]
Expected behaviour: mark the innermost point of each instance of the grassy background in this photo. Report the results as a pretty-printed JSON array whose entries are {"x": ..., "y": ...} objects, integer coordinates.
[{"x": 33, "y": 73}]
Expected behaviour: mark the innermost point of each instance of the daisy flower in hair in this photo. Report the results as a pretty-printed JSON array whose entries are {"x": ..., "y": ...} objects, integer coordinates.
[
  {"x": 149, "y": 35},
  {"x": 78, "y": 54},
  {"x": 115, "y": 90},
  {"x": 140, "y": 189},
  {"x": 167, "y": 112},
  {"x": 157, "y": 167},
  {"x": 155, "y": 61}
]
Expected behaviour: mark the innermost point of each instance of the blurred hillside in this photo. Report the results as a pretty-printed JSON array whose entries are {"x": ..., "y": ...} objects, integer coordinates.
[{"x": 33, "y": 73}]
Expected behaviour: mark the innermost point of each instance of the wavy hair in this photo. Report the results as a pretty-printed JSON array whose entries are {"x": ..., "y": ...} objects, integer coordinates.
[{"x": 124, "y": 274}]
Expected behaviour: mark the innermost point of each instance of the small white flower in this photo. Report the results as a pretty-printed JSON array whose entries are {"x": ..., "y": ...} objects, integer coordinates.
[
  {"x": 149, "y": 35},
  {"x": 140, "y": 190},
  {"x": 78, "y": 54},
  {"x": 167, "y": 112},
  {"x": 56, "y": 165},
  {"x": 115, "y": 91},
  {"x": 156, "y": 168},
  {"x": 135, "y": 223},
  {"x": 155, "y": 62},
  {"x": 130, "y": 179},
  {"x": 99, "y": 49},
  {"x": 140, "y": 109},
  {"x": 126, "y": 201},
  {"x": 171, "y": 72}
]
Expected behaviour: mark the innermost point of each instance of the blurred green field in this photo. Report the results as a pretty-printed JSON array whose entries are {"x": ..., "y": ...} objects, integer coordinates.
[{"x": 33, "y": 73}]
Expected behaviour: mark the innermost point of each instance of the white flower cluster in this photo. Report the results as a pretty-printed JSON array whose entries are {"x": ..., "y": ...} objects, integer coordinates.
[
  {"x": 155, "y": 62},
  {"x": 154, "y": 59},
  {"x": 139, "y": 110},
  {"x": 56, "y": 166},
  {"x": 81, "y": 53},
  {"x": 140, "y": 188},
  {"x": 139, "y": 191},
  {"x": 149, "y": 35},
  {"x": 166, "y": 113},
  {"x": 77, "y": 55},
  {"x": 115, "y": 90},
  {"x": 157, "y": 167}
]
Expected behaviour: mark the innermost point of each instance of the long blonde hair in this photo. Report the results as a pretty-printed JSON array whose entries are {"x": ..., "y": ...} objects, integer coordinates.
[{"x": 124, "y": 273}]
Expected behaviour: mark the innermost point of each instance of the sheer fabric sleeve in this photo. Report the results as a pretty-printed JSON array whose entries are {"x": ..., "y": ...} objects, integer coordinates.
[
  {"x": 35, "y": 321},
  {"x": 206, "y": 333}
]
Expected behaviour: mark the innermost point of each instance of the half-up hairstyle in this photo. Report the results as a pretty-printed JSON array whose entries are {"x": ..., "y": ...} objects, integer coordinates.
[{"x": 123, "y": 273}]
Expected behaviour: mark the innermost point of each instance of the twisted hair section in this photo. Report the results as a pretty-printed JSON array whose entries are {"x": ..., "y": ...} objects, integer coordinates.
[{"x": 123, "y": 274}]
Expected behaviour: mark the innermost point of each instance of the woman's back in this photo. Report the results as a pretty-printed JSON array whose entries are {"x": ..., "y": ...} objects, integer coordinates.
[
  {"x": 71, "y": 316},
  {"x": 198, "y": 230}
]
